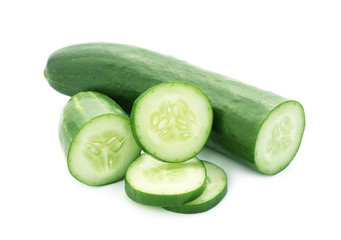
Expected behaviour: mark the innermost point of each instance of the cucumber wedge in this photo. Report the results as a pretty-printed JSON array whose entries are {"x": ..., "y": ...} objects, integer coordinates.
[
  {"x": 215, "y": 191},
  {"x": 172, "y": 121},
  {"x": 156, "y": 183},
  {"x": 96, "y": 138}
]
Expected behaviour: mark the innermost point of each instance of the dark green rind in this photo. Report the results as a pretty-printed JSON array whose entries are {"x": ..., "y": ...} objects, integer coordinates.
[
  {"x": 199, "y": 208},
  {"x": 162, "y": 200},
  {"x": 123, "y": 72},
  {"x": 137, "y": 137},
  {"x": 189, "y": 209}
]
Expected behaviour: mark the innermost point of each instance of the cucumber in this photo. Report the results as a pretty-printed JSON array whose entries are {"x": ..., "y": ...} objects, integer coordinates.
[
  {"x": 156, "y": 183},
  {"x": 257, "y": 127},
  {"x": 215, "y": 191},
  {"x": 172, "y": 121},
  {"x": 96, "y": 138}
]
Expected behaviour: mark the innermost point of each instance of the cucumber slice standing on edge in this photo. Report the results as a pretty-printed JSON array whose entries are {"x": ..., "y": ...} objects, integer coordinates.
[
  {"x": 96, "y": 138},
  {"x": 172, "y": 121},
  {"x": 215, "y": 191},
  {"x": 156, "y": 183}
]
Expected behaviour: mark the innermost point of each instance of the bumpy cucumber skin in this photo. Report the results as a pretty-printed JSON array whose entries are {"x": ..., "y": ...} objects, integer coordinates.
[
  {"x": 162, "y": 200},
  {"x": 74, "y": 118},
  {"x": 137, "y": 138},
  {"x": 203, "y": 207},
  {"x": 123, "y": 72}
]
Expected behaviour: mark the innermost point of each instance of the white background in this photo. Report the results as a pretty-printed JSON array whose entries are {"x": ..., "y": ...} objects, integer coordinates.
[{"x": 292, "y": 48}]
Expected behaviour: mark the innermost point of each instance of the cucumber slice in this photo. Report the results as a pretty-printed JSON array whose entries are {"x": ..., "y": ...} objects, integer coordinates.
[
  {"x": 215, "y": 191},
  {"x": 157, "y": 183},
  {"x": 279, "y": 137},
  {"x": 96, "y": 137},
  {"x": 172, "y": 121}
]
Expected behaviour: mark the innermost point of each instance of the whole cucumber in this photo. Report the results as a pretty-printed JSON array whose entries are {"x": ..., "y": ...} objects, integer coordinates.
[{"x": 255, "y": 126}]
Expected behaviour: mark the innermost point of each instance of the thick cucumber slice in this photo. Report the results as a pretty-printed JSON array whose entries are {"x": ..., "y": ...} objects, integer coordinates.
[
  {"x": 279, "y": 137},
  {"x": 215, "y": 191},
  {"x": 96, "y": 137},
  {"x": 157, "y": 183},
  {"x": 172, "y": 121}
]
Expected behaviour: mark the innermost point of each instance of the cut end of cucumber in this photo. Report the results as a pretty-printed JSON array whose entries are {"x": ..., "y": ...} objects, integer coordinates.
[
  {"x": 172, "y": 121},
  {"x": 102, "y": 150},
  {"x": 279, "y": 137}
]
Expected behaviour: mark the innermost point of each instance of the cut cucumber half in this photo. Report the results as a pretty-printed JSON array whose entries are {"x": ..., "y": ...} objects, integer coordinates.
[
  {"x": 279, "y": 137},
  {"x": 172, "y": 121},
  {"x": 96, "y": 137},
  {"x": 215, "y": 191},
  {"x": 153, "y": 182}
]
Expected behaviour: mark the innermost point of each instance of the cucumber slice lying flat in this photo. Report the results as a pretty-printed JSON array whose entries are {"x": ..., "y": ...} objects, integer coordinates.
[
  {"x": 215, "y": 191},
  {"x": 172, "y": 121},
  {"x": 96, "y": 138},
  {"x": 157, "y": 183}
]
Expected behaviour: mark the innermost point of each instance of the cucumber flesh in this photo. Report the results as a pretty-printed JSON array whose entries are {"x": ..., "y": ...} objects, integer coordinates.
[
  {"x": 215, "y": 191},
  {"x": 153, "y": 182},
  {"x": 96, "y": 137},
  {"x": 172, "y": 121},
  {"x": 279, "y": 137}
]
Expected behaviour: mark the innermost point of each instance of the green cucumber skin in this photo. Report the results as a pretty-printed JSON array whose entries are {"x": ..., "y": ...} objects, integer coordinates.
[
  {"x": 123, "y": 72},
  {"x": 189, "y": 209}
]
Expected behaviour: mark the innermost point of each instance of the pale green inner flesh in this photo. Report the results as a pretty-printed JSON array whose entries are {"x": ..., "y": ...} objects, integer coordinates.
[
  {"x": 173, "y": 122},
  {"x": 279, "y": 137},
  {"x": 150, "y": 175},
  {"x": 102, "y": 150},
  {"x": 216, "y": 182}
]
